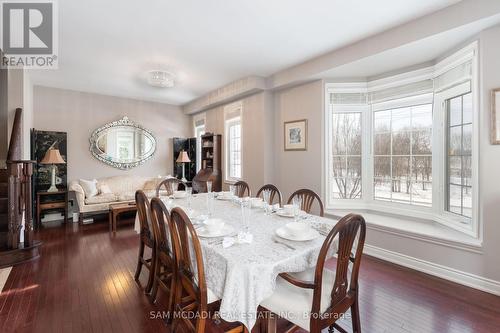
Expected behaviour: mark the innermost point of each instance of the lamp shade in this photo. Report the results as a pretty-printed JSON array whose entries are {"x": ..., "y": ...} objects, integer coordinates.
[
  {"x": 52, "y": 156},
  {"x": 183, "y": 157}
]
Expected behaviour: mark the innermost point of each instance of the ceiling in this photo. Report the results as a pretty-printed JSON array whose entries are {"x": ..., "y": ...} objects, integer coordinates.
[
  {"x": 422, "y": 52},
  {"x": 107, "y": 47}
]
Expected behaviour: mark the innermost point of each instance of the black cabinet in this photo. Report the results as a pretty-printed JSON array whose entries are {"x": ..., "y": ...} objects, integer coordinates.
[{"x": 188, "y": 145}]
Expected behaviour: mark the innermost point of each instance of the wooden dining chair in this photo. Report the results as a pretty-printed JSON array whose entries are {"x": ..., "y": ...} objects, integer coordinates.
[
  {"x": 275, "y": 192},
  {"x": 164, "y": 277},
  {"x": 242, "y": 188},
  {"x": 333, "y": 292},
  {"x": 168, "y": 184},
  {"x": 146, "y": 239},
  {"x": 308, "y": 198},
  {"x": 191, "y": 294}
]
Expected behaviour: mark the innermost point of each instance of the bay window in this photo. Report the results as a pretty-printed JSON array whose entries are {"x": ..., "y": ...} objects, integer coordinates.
[{"x": 406, "y": 144}]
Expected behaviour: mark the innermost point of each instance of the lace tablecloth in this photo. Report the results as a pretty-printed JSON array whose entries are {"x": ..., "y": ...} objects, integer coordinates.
[{"x": 245, "y": 274}]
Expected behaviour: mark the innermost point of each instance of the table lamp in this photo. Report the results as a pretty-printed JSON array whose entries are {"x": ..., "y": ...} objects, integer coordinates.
[
  {"x": 183, "y": 158},
  {"x": 53, "y": 157}
]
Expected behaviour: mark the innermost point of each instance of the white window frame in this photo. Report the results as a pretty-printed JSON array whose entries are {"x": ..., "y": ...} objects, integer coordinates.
[
  {"x": 437, "y": 212},
  {"x": 233, "y": 114}
]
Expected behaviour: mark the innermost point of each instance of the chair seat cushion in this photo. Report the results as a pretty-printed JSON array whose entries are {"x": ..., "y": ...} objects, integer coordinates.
[
  {"x": 296, "y": 302},
  {"x": 211, "y": 297},
  {"x": 101, "y": 198}
]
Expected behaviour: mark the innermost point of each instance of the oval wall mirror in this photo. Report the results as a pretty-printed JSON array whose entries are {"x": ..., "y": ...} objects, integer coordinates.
[{"x": 122, "y": 144}]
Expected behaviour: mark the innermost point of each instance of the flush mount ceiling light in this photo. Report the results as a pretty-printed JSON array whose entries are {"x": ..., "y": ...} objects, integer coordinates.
[{"x": 162, "y": 79}]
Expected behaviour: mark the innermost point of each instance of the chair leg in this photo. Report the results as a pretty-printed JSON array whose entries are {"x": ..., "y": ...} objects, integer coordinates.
[
  {"x": 139, "y": 262},
  {"x": 356, "y": 322},
  {"x": 152, "y": 272},
  {"x": 156, "y": 277}
]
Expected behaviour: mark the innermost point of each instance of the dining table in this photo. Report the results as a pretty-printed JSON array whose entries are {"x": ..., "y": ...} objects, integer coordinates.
[{"x": 244, "y": 274}]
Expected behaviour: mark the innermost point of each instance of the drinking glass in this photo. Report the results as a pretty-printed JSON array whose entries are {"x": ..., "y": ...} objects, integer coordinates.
[
  {"x": 189, "y": 191},
  {"x": 245, "y": 213},
  {"x": 209, "y": 186},
  {"x": 297, "y": 204},
  {"x": 210, "y": 204},
  {"x": 266, "y": 194},
  {"x": 231, "y": 190}
]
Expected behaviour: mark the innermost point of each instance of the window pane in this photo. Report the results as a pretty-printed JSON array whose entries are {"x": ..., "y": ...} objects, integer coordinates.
[
  {"x": 455, "y": 199},
  {"x": 422, "y": 193},
  {"x": 455, "y": 170},
  {"x": 382, "y": 189},
  {"x": 382, "y": 167},
  {"x": 401, "y": 119},
  {"x": 422, "y": 116},
  {"x": 383, "y": 144},
  {"x": 467, "y": 140},
  {"x": 459, "y": 171},
  {"x": 410, "y": 155},
  {"x": 339, "y": 166},
  {"x": 346, "y": 155},
  {"x": 353, "y": 167},
  {"x": 467, "y": 105},
  {"x": 455, "y": 107},
  {"x": 401, "y": 143},
  {"x": 400, "y": 167},
  {"x": 467, "y": 201},
  {"x": 455, "y": 141},
  {"x": 422, "y": 142},
  {"x": 401, "y": 190},
  {"x": 382, "y": 121}
]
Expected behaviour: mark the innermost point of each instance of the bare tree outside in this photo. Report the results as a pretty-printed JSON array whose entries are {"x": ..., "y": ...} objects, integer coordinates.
[
  {"x": 346, "y": 152},
  {"x": 403, "y": 155}
]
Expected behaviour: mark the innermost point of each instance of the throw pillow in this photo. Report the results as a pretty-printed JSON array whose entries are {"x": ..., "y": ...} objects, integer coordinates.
[
  {"x": 89, "y": 187},
  {"x": 150, "y": 185},
  {"x": 104, "y": 189}
]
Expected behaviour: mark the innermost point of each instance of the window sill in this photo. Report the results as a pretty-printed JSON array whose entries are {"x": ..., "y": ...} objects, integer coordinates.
[{"x": 419, "y": 229}]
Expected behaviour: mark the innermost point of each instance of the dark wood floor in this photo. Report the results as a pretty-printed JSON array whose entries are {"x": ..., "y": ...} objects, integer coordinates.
[{"x": 83, "y": 282}]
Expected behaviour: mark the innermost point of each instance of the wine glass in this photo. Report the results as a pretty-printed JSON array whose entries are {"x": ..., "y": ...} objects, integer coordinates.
[{"x": 209, "y": 186}]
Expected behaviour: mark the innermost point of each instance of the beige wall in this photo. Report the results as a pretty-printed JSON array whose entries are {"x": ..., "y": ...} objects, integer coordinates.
[
  {"x": 258, "y": 138},
  {"x": 299, "y": 169},
  {"x": 79, "y": 114}
]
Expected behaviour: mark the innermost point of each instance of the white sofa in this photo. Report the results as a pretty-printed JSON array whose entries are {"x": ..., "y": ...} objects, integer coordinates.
[{"x": 123, "y": 189}]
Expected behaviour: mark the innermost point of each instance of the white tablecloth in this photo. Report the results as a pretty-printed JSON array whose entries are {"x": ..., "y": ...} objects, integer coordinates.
[{"x": 245, "y": 274}]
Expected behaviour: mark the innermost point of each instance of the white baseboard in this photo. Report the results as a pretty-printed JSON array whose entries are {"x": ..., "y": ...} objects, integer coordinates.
[{"x": 447, "y": 273}]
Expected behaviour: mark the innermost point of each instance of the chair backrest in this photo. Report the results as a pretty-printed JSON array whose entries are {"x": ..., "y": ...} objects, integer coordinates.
[
  {"x": 308, "y": 198},
  {"x": 191, "y": 282},
  {"x": 242, "y": 187},
  {"x": 274, "y": 192},
  {"x": 168, "y": 184},
  {"x": 163, "y": 230},
  {"x": 351, "y": 231},
  {"x": 143, "y": 209}
]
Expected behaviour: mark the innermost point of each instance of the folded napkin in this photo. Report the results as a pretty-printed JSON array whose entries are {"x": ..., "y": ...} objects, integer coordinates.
[{"x": 241, "y": 238}]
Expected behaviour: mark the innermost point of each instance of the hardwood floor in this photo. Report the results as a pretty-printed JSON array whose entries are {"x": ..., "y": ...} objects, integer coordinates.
[{"x": 83, "y": 282}]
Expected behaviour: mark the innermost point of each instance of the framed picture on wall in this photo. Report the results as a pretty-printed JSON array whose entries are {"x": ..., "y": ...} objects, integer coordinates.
[
  {"x": 296, "y": 135},
  {"x": 495, "y": 116}
]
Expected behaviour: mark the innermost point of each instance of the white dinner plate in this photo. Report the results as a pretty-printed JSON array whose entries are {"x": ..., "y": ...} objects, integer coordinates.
[
  {"x": 226, "y": 230},
  {"x": 282, "y": 213},
  {"x": 306, "y": 236}
]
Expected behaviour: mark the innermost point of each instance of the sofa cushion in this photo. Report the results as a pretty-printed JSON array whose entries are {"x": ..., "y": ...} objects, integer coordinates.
[
  {"x": 104, "y": 188},
  {"x": 127, "y": 196},
  {"x": 101, "y": 198},
  {"x": 89, "y": 187},
  {"x": 151, "y": 185}
]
